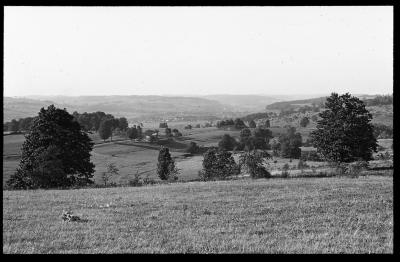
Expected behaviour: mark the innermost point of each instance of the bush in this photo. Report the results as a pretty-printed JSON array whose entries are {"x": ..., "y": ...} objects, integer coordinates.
[
  {"x": 340, "y": 168},
  {"x": 252, "y": 124},
  {"x": 148, "y": 181},
  {"x": 354, "y": 169},
  {"x": 176, "y": 133},
  {"x": 253, "y": 162},
  {"x": 136, "y": 181},
  {"x": 285, "y": 169},
  {"x": 383, "y": 131},
  {"x": 384, "y": 156},
  {"x": 227, "y": 143},
  {"x": 192, "y": 148},
  {"x": 304, "y": 122},
  {"x": 111, "y": 171},
  {"x": 290, "y": 143},
  {"x": 218, "y": 165}
]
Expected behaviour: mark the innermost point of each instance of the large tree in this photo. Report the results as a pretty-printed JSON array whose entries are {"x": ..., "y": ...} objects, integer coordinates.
[
  {"x": 56, "y": 152},
  {"x": 218, "y": 165},
  {"x": 132, "y": 133},
  {"x": 106, "y": 128},
  {"x": 344, "y": 132},
  {"x": 123, "y": 123},
  {"x": 227, "y": 143},
  {"x": 246, "y": 140},
  {"x": 166, "y": 168},
  {"x": 304, "y": 121},
  {"x": 262, "y": 137},
  {"x": 290, "y": 143}
]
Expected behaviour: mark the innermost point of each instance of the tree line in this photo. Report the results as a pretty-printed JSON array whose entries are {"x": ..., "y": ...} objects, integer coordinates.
[
  {"x": 88, "y": 122},
  {"x": 237, "y": 123}
]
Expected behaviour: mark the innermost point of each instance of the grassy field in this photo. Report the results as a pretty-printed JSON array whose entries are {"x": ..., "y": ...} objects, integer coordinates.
[
  {"x": 131, "y": 157},
  {"x": 308, "y": 215}
]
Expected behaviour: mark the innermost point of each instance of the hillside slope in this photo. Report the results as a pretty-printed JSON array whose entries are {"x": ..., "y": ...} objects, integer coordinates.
[
  {"x": 131, "y": 107},
  {"x": 332, "y": 215},
  {"x": 244, "y": 102}
]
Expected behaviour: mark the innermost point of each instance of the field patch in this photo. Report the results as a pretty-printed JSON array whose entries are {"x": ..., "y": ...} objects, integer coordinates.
[{"x": 313, "y": 215}]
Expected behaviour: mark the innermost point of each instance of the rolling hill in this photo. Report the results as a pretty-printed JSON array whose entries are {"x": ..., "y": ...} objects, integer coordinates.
[{"x": 131, "y": 107}]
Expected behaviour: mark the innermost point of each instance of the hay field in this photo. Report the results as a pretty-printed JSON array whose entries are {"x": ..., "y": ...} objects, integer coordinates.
[{"x": 305, "y": 215}]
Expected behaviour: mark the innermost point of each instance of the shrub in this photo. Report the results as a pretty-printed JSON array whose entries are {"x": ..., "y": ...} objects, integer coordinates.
[
  {"x": 192, "y": 148},
  {"x": 132, "y": 133},
  {"x": 136, "y": 180},
  {"x": 354, "y": 169},
  {"x": 111, "y": 171},
  {"x": 304, "y": 122},
  {"x": 340, "y": 168},
  {"x": 218, "y": 165},
  {"x": 227, "y": 143},
  {"x": 384, "y": 156},
  {"x": 383, "y": 131},
  {"x": 239, "y": 124},
  {"x": 285, "y": 169},
  {"x": 176, "y": 133},
  {"x": 261, "y": 138},
  {"x": 252, "y": 124},
  {"x": 148, "y": 181},
  {"x": 168, "y": 132},
  {"x": 253, "y": 161},
  {"x": 290, "y": 143}
]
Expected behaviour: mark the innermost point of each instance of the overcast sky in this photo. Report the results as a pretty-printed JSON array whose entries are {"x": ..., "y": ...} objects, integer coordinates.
[{"x": 197, "y": 50}]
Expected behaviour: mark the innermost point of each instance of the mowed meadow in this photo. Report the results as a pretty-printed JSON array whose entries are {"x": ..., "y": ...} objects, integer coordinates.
[
  {"x": 131, "y": 157},
  {"x": 307, "y": 215},
  {"x": 141, "y": 157},
  {"x": 242, "y": 215}
]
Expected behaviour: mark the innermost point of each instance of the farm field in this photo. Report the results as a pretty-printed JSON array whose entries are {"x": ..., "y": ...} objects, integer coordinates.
[
  {"x": 131, "y": 157},
  {"x": 307, "y": 215}
]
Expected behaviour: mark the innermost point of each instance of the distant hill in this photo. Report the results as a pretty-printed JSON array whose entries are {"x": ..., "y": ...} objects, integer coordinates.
[
  {"x": 131, "y": 107},
  {"x": 381, "y": 108},
  {"x": 148, "y": 108},
  {"x": 244, "y": 102},
  {"x": 369, "y": 100},
  {"x": 296, "y": 103},
  {"x": 15, "y": 108}
]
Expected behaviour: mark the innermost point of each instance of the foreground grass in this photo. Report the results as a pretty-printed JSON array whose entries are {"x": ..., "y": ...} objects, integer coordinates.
[{"x": 320, "y": 215}]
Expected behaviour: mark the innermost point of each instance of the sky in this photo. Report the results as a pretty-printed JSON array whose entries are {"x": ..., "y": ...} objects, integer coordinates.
[{"x": 197, "y": 50}]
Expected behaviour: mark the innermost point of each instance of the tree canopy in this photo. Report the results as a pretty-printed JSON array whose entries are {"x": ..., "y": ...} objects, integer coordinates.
[
  {"x": 344, "y": 132},
  {"x": 290, "y": 143},
  {"x": 56, "y": 152},
  {"x": 106, "y": 128}
]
